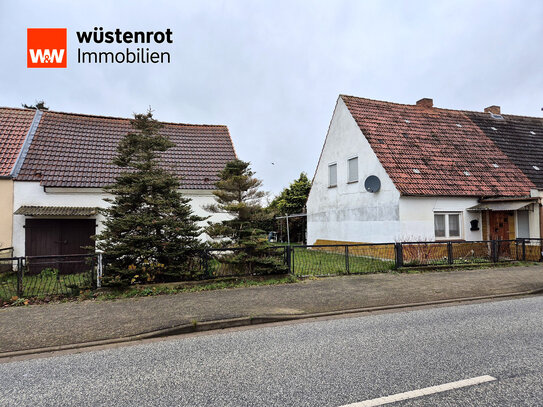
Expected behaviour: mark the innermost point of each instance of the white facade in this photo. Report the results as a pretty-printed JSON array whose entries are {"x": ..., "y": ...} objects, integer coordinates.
[
  {"x": 417, "y": 217},
  {"x": 33, "y": 194},
  {"x": 347, "y": 212}
]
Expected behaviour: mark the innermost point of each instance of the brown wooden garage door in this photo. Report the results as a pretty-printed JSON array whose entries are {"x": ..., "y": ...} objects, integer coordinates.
[{"x": 59, "y": 237}]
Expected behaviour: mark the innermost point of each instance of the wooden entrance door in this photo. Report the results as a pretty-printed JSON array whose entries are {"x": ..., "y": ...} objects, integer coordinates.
[
  {"x": 58, "y": 237},
  {"x": 498, "y": 222},
  {"x": 499, "y": 225}
]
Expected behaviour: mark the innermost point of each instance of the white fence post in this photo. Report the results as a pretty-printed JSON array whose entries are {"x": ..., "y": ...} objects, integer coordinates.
[{"x": 99, "y": 271}]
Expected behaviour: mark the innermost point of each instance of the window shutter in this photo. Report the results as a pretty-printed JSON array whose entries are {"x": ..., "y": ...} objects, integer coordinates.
[
  {"x": 332, "y": 175},
  {"x": 353, "y": 170}
]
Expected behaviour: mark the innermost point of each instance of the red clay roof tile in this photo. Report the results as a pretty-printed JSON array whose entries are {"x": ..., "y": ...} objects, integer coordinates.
[
  {"x": 442, "y": 144},
  {"x": 14, "y": 125}
]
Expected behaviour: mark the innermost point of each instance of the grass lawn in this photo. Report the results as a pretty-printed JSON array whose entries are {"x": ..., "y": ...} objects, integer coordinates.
[
  {"x": 310, "y": 262},
  {"x": 43, "y": 285}
]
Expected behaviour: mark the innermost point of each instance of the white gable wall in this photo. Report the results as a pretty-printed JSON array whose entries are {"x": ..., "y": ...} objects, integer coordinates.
[
  {"x": 33, "y": 194},
  {"x": 348, "y": 212}
]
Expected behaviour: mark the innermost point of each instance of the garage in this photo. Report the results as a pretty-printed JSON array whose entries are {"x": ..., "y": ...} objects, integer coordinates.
[{"x": 58, "y": 237}]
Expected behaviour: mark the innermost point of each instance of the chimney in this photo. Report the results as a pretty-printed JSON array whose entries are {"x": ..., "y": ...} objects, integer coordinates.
[
  {"x": 425, "y": 102},
  {"x": 492, "y": 109}
]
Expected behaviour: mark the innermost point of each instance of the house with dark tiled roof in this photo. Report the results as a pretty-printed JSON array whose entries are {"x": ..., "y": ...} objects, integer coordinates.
[
  {"x": 390, "y": 172},
  {"x": 58, "y": 164},
  {"x": 519, "y": 137}
]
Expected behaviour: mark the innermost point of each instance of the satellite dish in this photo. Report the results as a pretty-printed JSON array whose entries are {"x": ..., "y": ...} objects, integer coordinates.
[{"x": 372, "y": 184}]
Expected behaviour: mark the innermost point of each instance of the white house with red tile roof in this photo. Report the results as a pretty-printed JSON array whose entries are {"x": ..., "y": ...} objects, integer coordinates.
[
  {"x": 65, "y": 160},
  {"x": 391, "y": 172}
]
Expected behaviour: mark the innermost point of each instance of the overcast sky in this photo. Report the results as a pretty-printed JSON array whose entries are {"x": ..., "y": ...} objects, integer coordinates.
[{"x": 272, "y": 70}]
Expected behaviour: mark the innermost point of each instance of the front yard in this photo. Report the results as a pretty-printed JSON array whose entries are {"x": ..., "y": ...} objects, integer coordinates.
[{"x": 311, "y": 262}]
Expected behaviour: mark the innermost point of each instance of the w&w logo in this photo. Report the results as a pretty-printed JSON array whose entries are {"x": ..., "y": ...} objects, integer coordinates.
[{"x": 46, "y": 47}]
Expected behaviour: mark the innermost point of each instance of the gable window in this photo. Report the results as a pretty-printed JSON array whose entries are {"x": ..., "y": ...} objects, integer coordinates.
[
  {"x": 447, "y": 225},
  {"x": 352, "y": 169},
  {"x": 332, "y": 175}
]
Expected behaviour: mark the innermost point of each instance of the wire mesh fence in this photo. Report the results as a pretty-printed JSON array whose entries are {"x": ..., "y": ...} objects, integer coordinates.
[
  {"x": 472, "y": 252},
  {"x": 9, "y": 279},
  {"x": 58, "y": 275},
  {"x": 231, "y": 262},
  {"x": 68, "y": 275},
  {"x": 423, "y": 253},
  {"x": 333, "y": 259},
  {"x": 196, "y": 265},
  {"x": 467, "y": 252},
  {"x": 532, "y": 250},
  {"x": 42, "y": 276},
  {"x": 507, "y": 250},
  {"x": 320, "y": 260}
]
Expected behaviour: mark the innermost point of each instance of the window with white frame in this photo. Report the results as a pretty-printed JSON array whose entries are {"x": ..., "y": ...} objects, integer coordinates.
[
  {"x": 352, "y": 167},
  {"x": 447, "y": 225},
  {"x": 523, "y": 224},
  {"x": 332, "y": 175}
]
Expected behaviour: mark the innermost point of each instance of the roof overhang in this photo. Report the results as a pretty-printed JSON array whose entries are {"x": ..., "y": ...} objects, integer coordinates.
[
  {"x": 502, "y": 206},
  {"x": 56, "y": 211}
]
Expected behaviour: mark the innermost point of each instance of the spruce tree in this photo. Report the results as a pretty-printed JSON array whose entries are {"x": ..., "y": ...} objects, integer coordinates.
[
  {"x": 150, "y": 231},
  {"x": 238, "y": 194}
]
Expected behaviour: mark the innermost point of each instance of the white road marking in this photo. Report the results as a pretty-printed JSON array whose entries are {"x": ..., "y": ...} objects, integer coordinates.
[{"x": 423, "y": 392}]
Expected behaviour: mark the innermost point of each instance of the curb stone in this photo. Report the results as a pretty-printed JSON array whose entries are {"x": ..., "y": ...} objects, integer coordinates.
[{"x": 247, "y": 321}]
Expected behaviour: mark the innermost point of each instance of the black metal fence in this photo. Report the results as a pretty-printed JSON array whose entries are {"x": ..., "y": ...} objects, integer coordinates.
[
  {"x": 68, "y": 275},
  {"x": 209, "y": 264},
  {"x": 410, "y": 254},
  {"x": 323, "y": 260},
  {"x": 231, "y": 262},
  {"x": 42, "y": 276},
  {"x": 316, "y": 260}
]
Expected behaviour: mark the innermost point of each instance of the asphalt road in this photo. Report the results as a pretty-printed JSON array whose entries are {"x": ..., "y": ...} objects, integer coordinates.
[{"x": 323, "y": 363}]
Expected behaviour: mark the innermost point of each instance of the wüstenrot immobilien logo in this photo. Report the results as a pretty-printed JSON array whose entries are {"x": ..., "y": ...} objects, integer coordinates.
[{"x": 46, "y": 47}]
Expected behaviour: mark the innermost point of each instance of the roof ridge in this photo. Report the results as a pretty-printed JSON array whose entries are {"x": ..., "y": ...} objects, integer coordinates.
[
  {"x": 433, "y": 108},
  {"x": 25, "y": 109},
  {"x": 375, "y": 100},
  {"x": 440, "y": 108},
  {"x": 106, "y": 116},
  {"x": 506, "y": 115},
  {"x": 127, "y": 118}
]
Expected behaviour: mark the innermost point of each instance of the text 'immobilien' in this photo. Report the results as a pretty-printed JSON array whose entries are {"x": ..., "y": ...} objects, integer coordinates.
[{"x": 138, "y": 55}]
